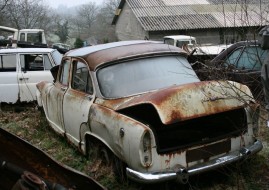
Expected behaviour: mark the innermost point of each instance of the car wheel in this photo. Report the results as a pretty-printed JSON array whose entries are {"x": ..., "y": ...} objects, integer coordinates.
[
  {"x": 92, "y": 150},
  {"x": 119, "y": 169}
]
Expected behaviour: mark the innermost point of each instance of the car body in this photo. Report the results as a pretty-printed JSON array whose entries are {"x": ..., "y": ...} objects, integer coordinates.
[
  {"x": 144, "y": 102},
  {"x": 21, "y": 69},
  {"x": 240, "y": 62}
]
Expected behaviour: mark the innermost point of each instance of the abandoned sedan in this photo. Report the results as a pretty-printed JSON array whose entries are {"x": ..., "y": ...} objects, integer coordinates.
[{"x": 143, "y": 102}]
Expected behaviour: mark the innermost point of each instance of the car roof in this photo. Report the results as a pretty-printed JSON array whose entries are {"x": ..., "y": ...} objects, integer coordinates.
[
  {"x": 227, "y": 51},
  {"x": 104, "y": 53},
  {"x": 27, "y": 50}
]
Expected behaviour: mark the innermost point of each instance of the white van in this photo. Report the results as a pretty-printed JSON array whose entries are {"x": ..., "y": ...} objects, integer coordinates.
[{"x": 21, "y": 69}]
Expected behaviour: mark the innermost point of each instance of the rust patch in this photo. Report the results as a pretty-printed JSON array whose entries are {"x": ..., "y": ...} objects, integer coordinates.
[
  {"x": 97, "y": 58},
  {"x": 184, "y": 102}
]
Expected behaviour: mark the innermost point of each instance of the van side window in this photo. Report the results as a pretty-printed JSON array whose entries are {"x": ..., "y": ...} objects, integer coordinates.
[
  {"x": 7, "y": 62},
  {"x": 35, "y": 62},
  {"x": 22, "y": 37}
]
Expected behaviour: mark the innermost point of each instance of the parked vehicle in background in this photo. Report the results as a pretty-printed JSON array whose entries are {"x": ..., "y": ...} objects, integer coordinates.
[
  {"x": 180, "y": 40},
  {"x": 62, "y": 48},
  {"x": 240, "y": 62},
  {"x": 264, "y": 33},
  {"x": 21, "y": 69},
  {"x": 23, "y": 37},
  {"x": 141, "y": 105},
  {"x": 197, "y": 52}
]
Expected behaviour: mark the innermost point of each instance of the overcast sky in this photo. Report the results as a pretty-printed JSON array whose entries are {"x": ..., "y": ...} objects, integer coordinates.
[{"x": 70, "y": 3}]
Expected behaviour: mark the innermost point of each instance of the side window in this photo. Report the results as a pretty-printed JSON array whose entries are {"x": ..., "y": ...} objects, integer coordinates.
[
  {"x": 47, "y": 62},
  {"x": 8, "y": 63},
  {"x": 65, "y": 73},
  {"x": 22, "y": 37},
  {"x": 35, "y": 62},
  {"x": 81, "y": 79},
  {"x": 34, "y": 37},
  {"x": 234, "y": 56},
  {"x": 252, "y": 58}
]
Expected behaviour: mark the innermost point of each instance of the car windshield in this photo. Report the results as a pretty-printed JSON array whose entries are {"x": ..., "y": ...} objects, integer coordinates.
[
  {"x": 57, "y": 57},
  {"x": 142, "y": 75}
]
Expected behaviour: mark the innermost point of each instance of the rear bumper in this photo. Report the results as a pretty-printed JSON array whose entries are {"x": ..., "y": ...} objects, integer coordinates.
[{"x": 182, "y": 174}]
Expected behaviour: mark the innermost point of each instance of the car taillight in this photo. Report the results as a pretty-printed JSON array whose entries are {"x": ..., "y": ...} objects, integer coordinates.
[{"x": 146, "y": 151}]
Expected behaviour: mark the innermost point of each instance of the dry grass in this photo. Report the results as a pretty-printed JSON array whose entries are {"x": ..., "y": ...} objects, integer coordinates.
[{"x": 30, "y": 124}]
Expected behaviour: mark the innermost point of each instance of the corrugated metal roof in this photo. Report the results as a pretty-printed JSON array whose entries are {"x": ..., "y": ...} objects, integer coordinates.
[{"x": 157, "y": 15}]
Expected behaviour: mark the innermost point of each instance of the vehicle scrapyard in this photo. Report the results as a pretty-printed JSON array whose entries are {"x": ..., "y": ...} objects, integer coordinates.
[{"x": 138, "y": 107}]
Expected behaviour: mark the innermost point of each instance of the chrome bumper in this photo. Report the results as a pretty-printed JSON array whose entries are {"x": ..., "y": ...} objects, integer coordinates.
[{"x": 182, "y": 174}]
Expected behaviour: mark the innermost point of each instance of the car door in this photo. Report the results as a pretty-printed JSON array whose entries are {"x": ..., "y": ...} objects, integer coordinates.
[
  {"x": 34, "y": 67},
  {"x": 77, "y": 100},
  {"x": 9, "y": 88},
  {"x": 55, "y": 98}
]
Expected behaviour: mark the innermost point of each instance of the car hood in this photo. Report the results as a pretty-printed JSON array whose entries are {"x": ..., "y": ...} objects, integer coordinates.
[{"x": 179, "y": 103}]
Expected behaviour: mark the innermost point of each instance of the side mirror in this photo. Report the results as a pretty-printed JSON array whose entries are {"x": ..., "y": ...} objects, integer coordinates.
[
  {"x": 54, "y": 71},
  {"x": 265, "y": 40}
]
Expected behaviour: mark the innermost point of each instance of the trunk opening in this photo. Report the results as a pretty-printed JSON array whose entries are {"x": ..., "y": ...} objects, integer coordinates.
[{"x": 185, "y": 134}]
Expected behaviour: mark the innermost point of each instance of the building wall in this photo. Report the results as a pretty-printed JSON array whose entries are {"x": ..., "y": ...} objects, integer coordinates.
[
  {"x": 202, "y": 36},
  {"x": 211, "y": 36},
  {"x": 208, "y": 36},
  {"x": 128, "y": 27}
]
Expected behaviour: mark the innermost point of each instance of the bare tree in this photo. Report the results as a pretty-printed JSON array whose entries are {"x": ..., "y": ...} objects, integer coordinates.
[
  {"x": 62, "y": 30},
  {"x": 3, "y": 4},
  {"x": 28, "y": 14},
  {"x": 103, "y": 29},
  {"x": 110, "y": 7},
  {"x": 87, "y": 14}
]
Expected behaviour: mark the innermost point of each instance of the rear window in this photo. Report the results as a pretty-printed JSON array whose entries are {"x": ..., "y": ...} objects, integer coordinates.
[{"x": 143, "y": 75}]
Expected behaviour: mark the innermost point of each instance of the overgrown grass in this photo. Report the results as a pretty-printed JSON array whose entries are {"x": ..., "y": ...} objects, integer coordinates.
[{"x": 31, "y": 125}]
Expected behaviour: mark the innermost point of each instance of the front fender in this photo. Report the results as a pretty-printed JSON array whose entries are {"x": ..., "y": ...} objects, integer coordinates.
[{"x": 122, "y": 134}]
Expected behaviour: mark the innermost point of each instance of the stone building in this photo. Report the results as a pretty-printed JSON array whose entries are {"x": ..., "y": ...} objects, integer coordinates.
[{"x": 210, "y": 21}]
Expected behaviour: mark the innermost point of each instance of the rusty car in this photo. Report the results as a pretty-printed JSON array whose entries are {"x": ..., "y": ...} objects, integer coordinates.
[
  {"x": 21, "y": 69},
  {"x": 240, "y": 62},
  {"x": 143, "y": 104}
]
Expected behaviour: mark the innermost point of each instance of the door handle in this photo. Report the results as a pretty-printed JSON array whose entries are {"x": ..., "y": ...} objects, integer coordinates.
[{"x": 21, "y": 78}]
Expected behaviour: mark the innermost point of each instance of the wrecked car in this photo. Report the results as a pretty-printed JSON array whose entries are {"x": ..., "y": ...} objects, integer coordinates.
[
  {"x": 24, "y": 166},
  {"x": 21, "y": 69},
  {"x": 241, "y": 62},
  {"x": 143, "y": 102}
]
